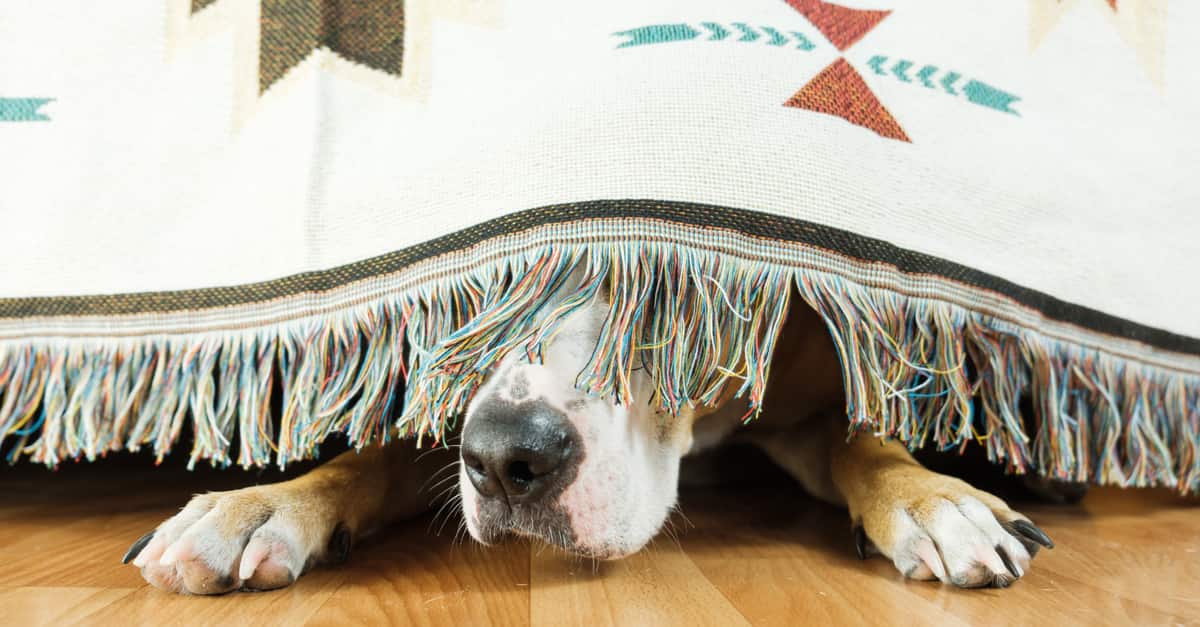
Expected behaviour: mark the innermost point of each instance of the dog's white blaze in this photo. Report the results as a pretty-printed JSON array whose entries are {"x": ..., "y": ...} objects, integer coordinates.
[{"x": 626, "y": 484}]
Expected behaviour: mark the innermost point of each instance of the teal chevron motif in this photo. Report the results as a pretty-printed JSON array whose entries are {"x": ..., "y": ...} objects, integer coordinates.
[
  {"x": 777, "y": 38},
  {"x": 802, "y": 42},
  {"x": 948, "y": 81},
  {"x": 665, "y": 33},
  {"x": 899, "y": 69},
  {"x": 23, "y": 109},
  {"x": 876, "y": 63},
  {"x": 924, "y": 73},
  {"x": 748, "y": 34},
  {"x": 718, "y": 32},
  {"x": 976, "y": 91}
]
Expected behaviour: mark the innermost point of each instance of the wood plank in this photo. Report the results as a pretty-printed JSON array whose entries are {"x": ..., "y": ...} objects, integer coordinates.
[
  {"x": 408, "y": 576},
  {"x": 784, "y": 559},
  {"x": 781, "y": 558},
  {"x": 659, "y": 586},
  {"x": 288, "y": 606},
  {"x": 33, "y": 606},
  {"x": 763, "y": 555},
  {"x": 1142, "y": 548}
]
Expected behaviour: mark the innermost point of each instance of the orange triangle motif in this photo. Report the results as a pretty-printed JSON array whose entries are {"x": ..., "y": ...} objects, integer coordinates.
[
  {"x": 842, "y": 26},
  {"x": 840, "y": 90}
]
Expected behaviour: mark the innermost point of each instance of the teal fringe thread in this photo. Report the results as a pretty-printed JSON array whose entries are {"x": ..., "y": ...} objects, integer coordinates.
[{"x": 703, "y": 323}]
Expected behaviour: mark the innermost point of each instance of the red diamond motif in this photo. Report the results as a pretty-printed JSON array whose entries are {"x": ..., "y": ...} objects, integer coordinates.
[
  {"x": 842, "y": 26},
  {"x": 840, "y": 90}
]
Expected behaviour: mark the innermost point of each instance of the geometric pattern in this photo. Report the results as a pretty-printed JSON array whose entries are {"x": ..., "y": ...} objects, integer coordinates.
[
  {"x": 839, "y": 89},
  {"x": 370, "y": 32},
  {"x": 385, "y": 44},
  {"x": 842, "y": 26}
]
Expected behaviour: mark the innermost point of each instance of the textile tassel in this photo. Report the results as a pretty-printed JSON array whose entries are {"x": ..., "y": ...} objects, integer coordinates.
[
  {"x": 209, "y": 438},
  {"x": 1185, "y": 433},
  {"x": 1096, "y": 408},
  {"x": 1001, "y": 380},
  {"x": 299, "y": 358},
  {"x": 500, "y": 314},
  {"x": 256, "y": 378},
  {"x": 376, "y": 386},
  {"x": 903, "y": 360},
  {"x": 1145, "y": 441},
  {"x": 593, "y": 277},
  {"x": 607, "y": 372},
  {"x": 76, "y": 382},
  {"x": 336, "y": 367},
  {"x": 23, "y": 375},
  {"x": 435, "y": 313},
  {"x": 142, "y": 368},
  {"x": 225, "y": 403},
  {"x": 45, "y": 450},
  {"x": 700, "y": 325},
  {"x": 916, "y": 370}
]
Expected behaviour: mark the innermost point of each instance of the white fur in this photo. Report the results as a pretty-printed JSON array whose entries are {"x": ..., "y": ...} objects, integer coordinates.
[{"x": 956, "y": 543}]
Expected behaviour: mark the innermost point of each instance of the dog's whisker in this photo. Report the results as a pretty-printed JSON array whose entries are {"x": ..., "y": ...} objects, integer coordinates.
[
  {"x": 678, "y": 509},
  {"x": 444, "y": 495},
  {"x": 673, "y": 534},
  {"x": 455, "y": 508},
  {"x": 452, "y": 466},
  {"x": 447, "y": 508},
  {"x": 460, "y": 532},
  {"x": 441, "y": 482},
  {"x": 441, "y": 489},
  {"x": 429, "y": 452}
]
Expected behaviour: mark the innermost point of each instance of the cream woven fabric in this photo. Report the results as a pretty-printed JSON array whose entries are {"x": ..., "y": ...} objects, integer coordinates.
[{"x": 202, "y": 198}]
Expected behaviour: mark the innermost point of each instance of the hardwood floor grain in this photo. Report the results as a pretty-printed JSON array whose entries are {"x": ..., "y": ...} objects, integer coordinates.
[
  {"x": 404, "y": 578},
  {"x": 659, "y": 586},
  {"x": 749, "y": 555}
]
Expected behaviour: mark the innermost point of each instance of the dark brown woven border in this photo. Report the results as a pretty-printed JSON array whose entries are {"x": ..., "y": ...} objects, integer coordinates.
[{"x": 753, "y": 223}]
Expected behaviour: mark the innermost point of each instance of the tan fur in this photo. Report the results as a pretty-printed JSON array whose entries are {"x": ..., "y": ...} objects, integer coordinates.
[
  {"x": 897, "y": 502},
  {"x": 355, "y": 493}
]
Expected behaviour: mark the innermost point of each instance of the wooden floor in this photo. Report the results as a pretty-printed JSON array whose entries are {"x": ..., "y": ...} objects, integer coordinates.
[{"x": 760, "y": 556}]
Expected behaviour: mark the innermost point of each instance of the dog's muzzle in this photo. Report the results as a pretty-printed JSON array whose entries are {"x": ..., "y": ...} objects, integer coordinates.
[{"x": 519, "y": 456}]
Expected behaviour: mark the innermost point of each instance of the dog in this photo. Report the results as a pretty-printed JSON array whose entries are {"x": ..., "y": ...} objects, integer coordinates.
[{"x": 539, "y": 458}]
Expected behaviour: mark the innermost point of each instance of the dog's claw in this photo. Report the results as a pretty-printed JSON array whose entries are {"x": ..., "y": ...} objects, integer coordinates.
[
  {"x": 1031, "y": 531},
  {"x": 137, "y": 547},
  {"x": 860, "y": 542},
  {"x": 1008, "y": 563},
  {"x": 339, "y": 545}
]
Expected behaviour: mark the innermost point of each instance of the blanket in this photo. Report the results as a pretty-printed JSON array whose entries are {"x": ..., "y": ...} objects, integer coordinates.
[{"x": 266, "y": 222}]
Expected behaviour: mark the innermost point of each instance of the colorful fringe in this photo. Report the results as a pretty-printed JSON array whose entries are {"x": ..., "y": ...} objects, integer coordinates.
[{"x": 703, "y": 323}]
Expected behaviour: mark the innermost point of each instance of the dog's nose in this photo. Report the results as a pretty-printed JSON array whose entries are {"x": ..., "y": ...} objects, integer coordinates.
[{"x": 516, "y": 451}]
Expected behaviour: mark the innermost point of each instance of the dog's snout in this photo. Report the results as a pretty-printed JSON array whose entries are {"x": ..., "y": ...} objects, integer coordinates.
[{"x": 517, "y": 452}]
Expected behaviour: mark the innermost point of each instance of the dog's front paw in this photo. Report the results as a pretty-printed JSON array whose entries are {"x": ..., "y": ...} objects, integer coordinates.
[
  {"x": 953, "y": 533},
  {"x": 257, "y": 538}
]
